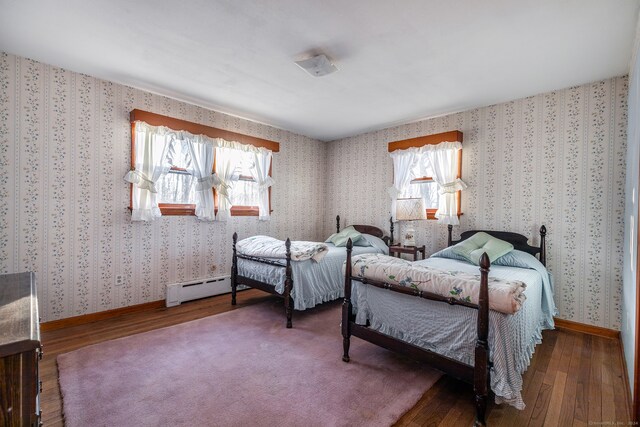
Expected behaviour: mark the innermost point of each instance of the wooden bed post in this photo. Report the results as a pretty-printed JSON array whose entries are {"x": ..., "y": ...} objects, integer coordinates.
[
  {"x": 288, "y": 285},
  {"x": 543, "y": 245},
  {"x": 391, "y": 230},
  {"x": 450, "y": 237},
  {"x": 346, "y": 304},
  {"x": 481, "y": 367},
  {"x": 337, "y": 223},
  {"x": 234, "y": 270}
]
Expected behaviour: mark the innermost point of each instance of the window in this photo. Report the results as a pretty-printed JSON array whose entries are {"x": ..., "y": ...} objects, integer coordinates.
[
  {"x": 422, "y": 185},
  {"x": 176, "y": 171},
  {"x": 424, "y": 168},
  {"x": 176, "y": 188},
  {"x": 244, "y": 195}
]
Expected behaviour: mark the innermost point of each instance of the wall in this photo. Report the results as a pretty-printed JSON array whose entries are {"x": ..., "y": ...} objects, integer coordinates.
[
  {"x": 556, "y": 159},
  {"x": 630, "y": 252},
  {"x": 64, "y": 148}
]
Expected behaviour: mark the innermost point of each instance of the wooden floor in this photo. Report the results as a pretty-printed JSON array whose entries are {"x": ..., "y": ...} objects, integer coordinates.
[{"x": 573, "y": 380}]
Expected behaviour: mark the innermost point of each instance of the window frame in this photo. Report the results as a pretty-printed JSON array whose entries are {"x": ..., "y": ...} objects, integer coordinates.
[
  {"x": 421, "y": 141},
  {"x": 177, "y": 209}
]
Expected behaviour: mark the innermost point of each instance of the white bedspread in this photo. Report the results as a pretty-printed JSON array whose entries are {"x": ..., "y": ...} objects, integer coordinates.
[
  {"x": 268, "y": 247},
  {"x": 313, "y": 282}
]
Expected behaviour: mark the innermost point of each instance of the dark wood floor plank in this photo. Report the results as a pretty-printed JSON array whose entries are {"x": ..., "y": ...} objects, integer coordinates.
[
  {"x": 440, "y": 405},
  {"x": 595, "y": 381},
  {"x": 424, "y": 402},
  {"x": 509, "y": 416},
  {"x": 554, "y": 361},
  {"x": 621, "y": 395},
  {"x": 567, "y": 352},
  {"x": 531, "y": 393},
  {"x": 542, "y": 405},
  {"x": 552, "y": 418},
  {"x": 569, "y": 397},
  {"x": 581, "y": 411},
  {"x": 546, "y": 349},
  {"x": 608, "y": 403},
  {"x": 565, "y": 360}
]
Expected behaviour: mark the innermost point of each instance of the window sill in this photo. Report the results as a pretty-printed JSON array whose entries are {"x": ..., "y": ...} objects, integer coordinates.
[
  {"x": 431, "y": 214},
  {"x": 177, "y": 210},
  {"x": 243, "y": 211},
  {"x": 190, "y": 210}
]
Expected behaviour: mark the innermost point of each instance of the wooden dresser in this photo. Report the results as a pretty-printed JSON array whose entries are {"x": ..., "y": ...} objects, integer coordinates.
[{"x": 20, "y": 351}]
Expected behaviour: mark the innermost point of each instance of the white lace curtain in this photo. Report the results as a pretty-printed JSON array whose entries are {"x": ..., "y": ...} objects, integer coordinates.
[
  {"x": 151, "y": 162},
  {"x": 153, "y": 148},
  {"x": 261, "y": 174},
  {"x": 201, "y": 167},
  {"x": 442, "y": 160},
  {"x": 403, "y": 162},
  {"x": 444, "y": 164},
  {"x": 227, "y": 172}
]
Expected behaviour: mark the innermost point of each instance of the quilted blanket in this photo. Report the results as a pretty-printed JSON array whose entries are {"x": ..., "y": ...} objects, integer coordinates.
[
  {"x": 505, "y": 296},
  {"x": 268, "y": 247}
]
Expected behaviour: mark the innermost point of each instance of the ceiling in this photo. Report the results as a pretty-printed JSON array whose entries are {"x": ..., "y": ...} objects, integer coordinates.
[{"x": 398, "y": 61}]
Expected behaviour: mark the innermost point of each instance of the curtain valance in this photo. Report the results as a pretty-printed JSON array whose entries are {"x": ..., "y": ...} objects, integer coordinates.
[{"x": 201, "y": 139}]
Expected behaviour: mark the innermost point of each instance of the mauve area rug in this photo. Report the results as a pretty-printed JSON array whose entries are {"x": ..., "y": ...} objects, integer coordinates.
[{"x": 240, "y": 368}]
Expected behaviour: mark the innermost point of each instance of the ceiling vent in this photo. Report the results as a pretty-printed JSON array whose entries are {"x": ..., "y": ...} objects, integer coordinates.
[{"x": 317, "y": 66}]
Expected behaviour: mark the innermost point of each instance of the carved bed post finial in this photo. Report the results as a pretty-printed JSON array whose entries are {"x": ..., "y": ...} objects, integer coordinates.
[
  {"x": 288, "y": 285},
  {"x": 391, "y": 230},
  {"x": 346, "y": 304},
  {"x": 234, "y": 270},
  {"x": 543, "y": 245},
  {"x": 481, "y": 371},
  {"x": 450, "y": 237},
  {"x": 337, "y": 223}
]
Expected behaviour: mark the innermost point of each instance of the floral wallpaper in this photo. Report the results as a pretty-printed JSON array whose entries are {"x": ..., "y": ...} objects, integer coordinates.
[
  {"x": 556, "y": 159},
  {"x": 64, "y": 148}
]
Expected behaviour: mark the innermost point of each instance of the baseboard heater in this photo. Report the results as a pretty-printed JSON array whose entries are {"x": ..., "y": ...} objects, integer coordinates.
[{"x": 177, "y": 293}]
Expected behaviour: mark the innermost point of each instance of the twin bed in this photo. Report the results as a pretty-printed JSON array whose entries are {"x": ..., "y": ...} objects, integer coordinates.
[
  {"x": 302, "y": 284},
  {"x": 459, "y": 336},
  {"x": 465, "y": 337}
]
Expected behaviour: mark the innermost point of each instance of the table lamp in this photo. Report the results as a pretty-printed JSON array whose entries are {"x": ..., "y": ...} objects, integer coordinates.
[{"x": 410, "y": 210}]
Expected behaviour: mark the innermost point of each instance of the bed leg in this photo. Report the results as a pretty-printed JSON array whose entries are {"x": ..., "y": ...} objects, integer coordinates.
[
  {"x": 481, "y": 367},
  {"x": 288, "y": 286},
  {"x": 234, "y": 270},
  {"x": 346, "y": 330},
  {"x": 288, "y": 303},
  {"x": 346, "y": 305},
  {"x": 233, "y": 292}
]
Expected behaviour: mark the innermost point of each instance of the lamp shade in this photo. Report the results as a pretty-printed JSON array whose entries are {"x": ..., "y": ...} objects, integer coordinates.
[{"x": 410, "y": 209}]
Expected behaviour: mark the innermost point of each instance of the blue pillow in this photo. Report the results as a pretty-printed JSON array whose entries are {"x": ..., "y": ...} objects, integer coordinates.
[
  {"x": 480, "y": 243},
  {"x": 341, "y": 238},
  {"x": 376, "y": 242},
  {"x": 451, "y": 254}
]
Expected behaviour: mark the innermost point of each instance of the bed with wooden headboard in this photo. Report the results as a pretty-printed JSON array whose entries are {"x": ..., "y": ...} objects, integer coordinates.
[
  {"x": 451, "y": 333},
  {"x": 302, "y": 284}
]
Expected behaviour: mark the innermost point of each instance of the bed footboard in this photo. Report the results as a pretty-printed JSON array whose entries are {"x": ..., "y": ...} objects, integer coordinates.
[
  {"x": 477, "y": 375},
  {"x": 238, "y": 279}
]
